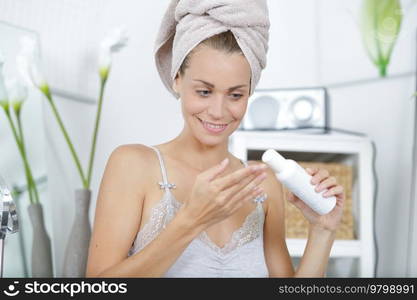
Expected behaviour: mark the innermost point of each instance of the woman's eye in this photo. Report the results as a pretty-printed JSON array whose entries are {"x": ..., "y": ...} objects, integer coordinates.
[
  {"x": 237, "y": 96},
  {"x": 203, "y": 93}
]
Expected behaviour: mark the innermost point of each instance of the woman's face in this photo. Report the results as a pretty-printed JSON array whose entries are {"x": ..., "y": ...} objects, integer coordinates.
[{"x": 214, "y": 93}]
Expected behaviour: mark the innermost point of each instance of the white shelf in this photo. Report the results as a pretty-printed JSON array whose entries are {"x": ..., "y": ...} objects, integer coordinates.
[
  {"x": 331, "y": 145},
  {"x": 341, "y": 248}
]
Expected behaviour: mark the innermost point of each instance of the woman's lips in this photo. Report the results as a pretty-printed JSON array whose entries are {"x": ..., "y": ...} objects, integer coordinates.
[{"x": 213, "y": 128}]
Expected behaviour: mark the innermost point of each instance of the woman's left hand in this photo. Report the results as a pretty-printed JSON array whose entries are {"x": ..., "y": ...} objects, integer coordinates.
[{"x": 322, "y": 180}]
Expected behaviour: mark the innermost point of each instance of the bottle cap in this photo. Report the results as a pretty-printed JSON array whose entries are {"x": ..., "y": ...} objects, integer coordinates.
[{"x": 275, "y": 160}]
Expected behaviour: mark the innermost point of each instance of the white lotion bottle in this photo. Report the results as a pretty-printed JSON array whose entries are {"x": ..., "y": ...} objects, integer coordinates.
[{"x": 298, "y": 181}]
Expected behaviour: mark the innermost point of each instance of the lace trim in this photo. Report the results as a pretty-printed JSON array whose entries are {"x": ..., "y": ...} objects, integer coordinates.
[
  {"x": 249, "y": 231},
  {"x": 163, "y": 212}
]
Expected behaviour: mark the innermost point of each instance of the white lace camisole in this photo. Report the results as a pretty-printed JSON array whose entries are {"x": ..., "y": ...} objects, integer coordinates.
[{"x": 241, "y": 256}]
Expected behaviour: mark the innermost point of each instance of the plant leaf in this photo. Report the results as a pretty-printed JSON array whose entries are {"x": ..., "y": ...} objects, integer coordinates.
[{"x": 380, "y": 25}]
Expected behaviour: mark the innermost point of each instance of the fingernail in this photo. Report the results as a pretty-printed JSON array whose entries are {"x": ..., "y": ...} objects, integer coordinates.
[
  {"x": 253, "y": 168},
  {"x": 225, "y": 161},
  {"x": 259, "y": 167}
]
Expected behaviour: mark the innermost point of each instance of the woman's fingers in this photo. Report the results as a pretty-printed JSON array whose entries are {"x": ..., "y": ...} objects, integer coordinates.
[
  {"x": 328, "y": 182},
  {"x": 215, "y": 171},
  {"x": 311, "y": 170},
  {"x": 243, "y": 191},
  {"x": 255, "y": 192},
  {"x": 237, "y": 177},
  {"x": 234, "y": 189},
  {"x": 338, "y": 189},
  {"x": 319, "y": 176}
]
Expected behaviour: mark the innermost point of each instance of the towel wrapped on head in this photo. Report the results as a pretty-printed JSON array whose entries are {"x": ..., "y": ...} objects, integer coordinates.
[{"x": 187, "y": 23}]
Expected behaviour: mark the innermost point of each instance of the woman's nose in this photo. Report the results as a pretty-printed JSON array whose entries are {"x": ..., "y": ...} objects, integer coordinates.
[{"x": 216, "y": 107}]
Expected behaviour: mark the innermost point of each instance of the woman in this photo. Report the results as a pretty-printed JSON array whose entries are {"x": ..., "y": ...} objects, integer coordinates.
[{"x": 186, "y": 208}]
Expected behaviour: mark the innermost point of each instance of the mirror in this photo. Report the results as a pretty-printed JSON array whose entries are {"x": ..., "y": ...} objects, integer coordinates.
[{"x": 17, "y": 247}]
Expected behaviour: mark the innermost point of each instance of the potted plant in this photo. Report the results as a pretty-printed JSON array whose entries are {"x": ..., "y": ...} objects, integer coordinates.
[{"x": 76, "y": 252}]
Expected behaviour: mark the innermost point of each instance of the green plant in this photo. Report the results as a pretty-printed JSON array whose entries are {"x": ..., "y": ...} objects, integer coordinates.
[
  {"x": 28, "y": 63},
  {"x": 380, "y": 26},
  {"x": 11, "y": 100}
]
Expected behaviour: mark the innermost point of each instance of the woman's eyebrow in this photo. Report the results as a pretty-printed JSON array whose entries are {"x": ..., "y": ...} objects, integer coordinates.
[{"x": 212, "y": 85}]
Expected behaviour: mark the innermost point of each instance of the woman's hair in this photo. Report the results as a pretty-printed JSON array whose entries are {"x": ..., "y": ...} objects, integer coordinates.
[{"x": 225, "y": 42}]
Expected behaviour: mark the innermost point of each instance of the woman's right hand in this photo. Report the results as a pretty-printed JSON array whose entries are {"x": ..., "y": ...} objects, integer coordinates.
[{"x": 214, "y": 198}]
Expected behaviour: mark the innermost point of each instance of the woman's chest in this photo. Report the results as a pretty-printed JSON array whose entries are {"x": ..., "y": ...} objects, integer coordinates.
[{"x": 180, "y": 192}]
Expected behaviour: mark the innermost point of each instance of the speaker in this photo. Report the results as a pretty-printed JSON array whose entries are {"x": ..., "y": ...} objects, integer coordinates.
[{"x": 281, "y": 109}]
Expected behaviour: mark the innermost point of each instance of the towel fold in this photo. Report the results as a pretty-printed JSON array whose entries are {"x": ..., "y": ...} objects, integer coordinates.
[{"x": 186, "y": 23}]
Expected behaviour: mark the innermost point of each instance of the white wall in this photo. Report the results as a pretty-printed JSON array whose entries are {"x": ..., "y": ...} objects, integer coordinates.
[
  {"x": 311, "y": 43},
  {"x": 383, "y": 109}
]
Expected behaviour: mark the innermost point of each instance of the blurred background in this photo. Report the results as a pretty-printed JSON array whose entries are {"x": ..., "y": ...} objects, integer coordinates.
[{"x": 314, "y": 44}]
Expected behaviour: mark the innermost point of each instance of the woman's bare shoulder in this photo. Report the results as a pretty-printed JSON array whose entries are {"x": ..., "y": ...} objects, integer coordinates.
[
  {"x": 128, "y": 149},
  {"x": 120, "y": 199},
  {"x": 133, "y": 153},
  {"x": 130, "y": 160}
]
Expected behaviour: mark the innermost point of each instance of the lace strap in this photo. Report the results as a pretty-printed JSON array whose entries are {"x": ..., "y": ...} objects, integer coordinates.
[
  {"x": 259, "y": 208},
  {"x": 165, "y": 184},
  {"x": 261, "y": 215}
]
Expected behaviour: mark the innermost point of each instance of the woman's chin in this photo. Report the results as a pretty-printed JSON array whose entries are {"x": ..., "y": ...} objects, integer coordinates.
[{"x": 214, "y": 140}]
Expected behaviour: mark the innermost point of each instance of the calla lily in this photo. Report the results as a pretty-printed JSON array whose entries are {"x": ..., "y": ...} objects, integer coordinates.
[
  {"x": 4, "y": 102},
  {"x": 380, "y": 25},
  {"x": 17, "y": 93},
  {"x": 28, "y": 64},
  {"x": 113, "y": 42},
  {"x": 13, "y": 90}
]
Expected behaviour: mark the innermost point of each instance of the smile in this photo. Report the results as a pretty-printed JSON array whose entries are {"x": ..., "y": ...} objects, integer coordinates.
[{"x": 212, "y": 127}]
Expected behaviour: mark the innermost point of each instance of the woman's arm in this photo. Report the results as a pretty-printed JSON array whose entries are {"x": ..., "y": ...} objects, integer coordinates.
[
  {"x": 159, "y": 255},
  {"x": 117, "y": 219},
  {"x": 321, "y": 229},
  {"x": 277, "y": 257},
  {"x": 316, "y": 254}
]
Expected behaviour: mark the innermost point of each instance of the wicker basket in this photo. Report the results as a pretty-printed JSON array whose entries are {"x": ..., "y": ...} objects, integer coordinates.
[{"x": 297, "y": 225}]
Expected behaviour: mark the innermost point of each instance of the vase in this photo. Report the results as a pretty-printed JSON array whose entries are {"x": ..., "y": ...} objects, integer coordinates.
[
  {"x": 41, "y": 243},
  {"x": 76, "y": 252}
]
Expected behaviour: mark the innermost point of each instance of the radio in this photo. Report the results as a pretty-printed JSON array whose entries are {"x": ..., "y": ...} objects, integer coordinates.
[{"x": 280, "y": 109}]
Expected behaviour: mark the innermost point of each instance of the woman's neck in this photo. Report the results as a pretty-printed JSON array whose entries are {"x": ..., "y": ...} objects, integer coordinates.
[{"x": 196, "y": 154}]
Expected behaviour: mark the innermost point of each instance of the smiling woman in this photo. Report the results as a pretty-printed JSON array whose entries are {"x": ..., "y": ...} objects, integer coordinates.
[
  {"x": 214, "y": 96},
  {"x": 216, "y": 216}
]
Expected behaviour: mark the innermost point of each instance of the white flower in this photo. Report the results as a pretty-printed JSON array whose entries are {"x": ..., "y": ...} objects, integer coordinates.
[
  {"x": 16, "y": 90},
  {"x": 3, "y": 91},
  {"x": 28, "y": 63},
  {"x": 113, "y": 42}
]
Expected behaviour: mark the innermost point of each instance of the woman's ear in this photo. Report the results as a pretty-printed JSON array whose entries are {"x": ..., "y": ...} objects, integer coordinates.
[{"x": 175, "y": 84}]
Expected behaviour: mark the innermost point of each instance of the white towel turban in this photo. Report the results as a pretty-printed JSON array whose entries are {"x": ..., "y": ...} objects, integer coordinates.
[{"x": 186, "y": 23}]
